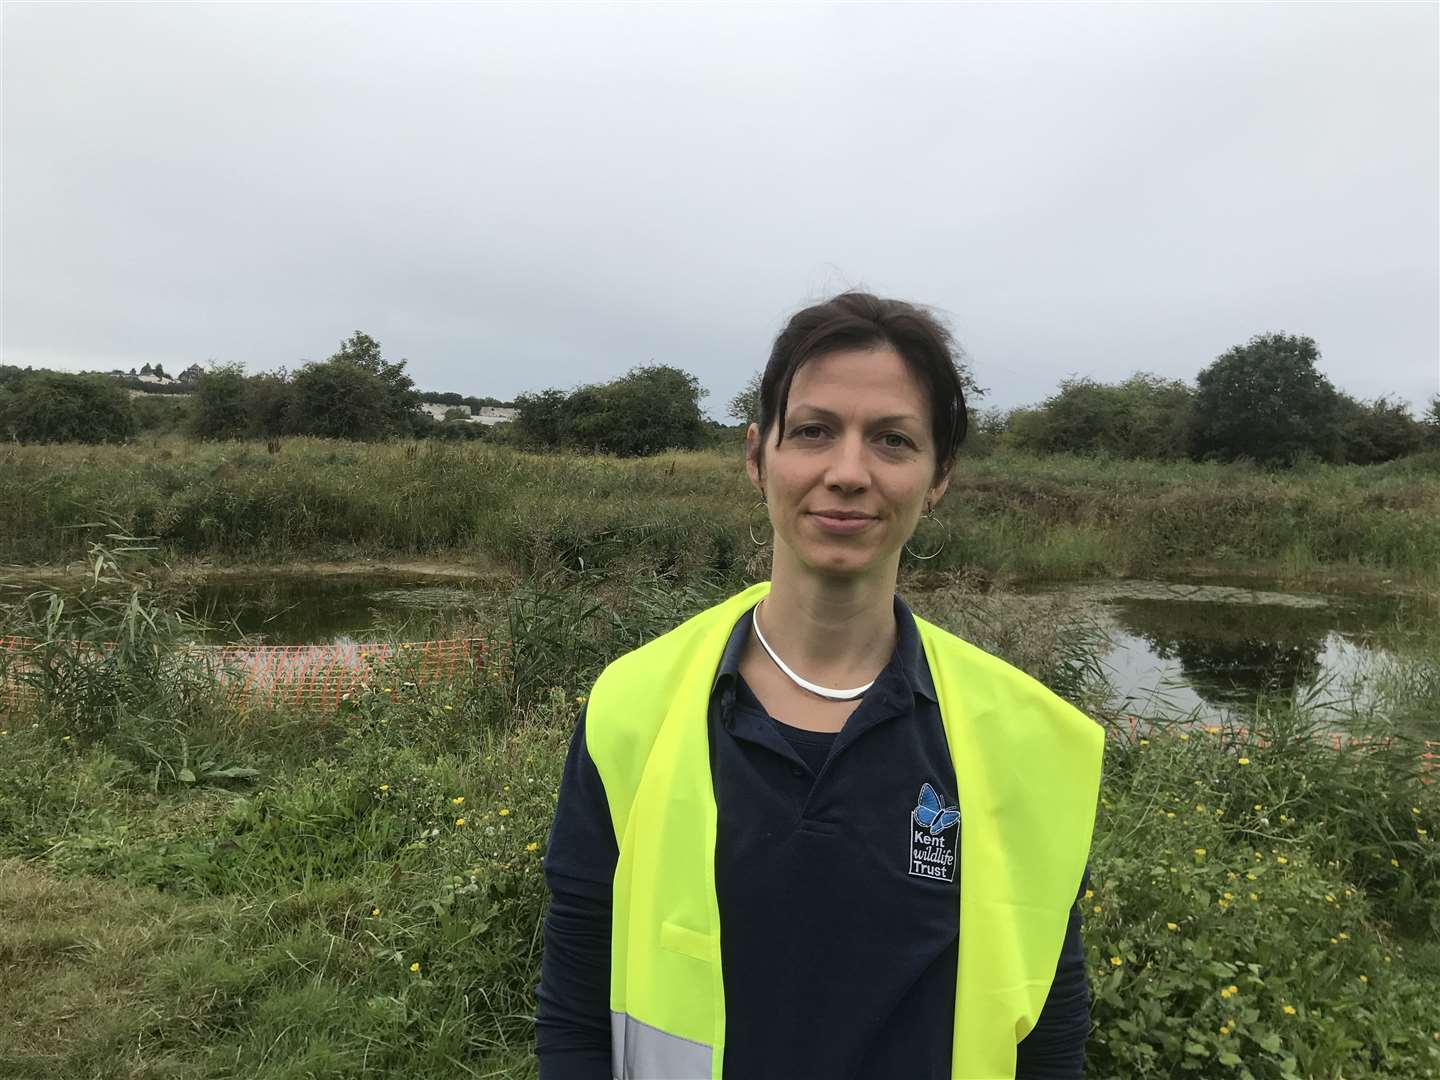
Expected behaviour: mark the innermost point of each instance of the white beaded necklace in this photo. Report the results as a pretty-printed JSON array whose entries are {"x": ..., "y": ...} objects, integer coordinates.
[{"x": 805, "y": 684}]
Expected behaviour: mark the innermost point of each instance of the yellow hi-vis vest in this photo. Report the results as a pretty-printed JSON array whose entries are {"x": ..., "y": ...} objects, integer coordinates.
[{"x": 1027, "y": 766}]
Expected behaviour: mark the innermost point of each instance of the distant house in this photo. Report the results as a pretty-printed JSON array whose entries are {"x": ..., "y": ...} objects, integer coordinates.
[
  {"x": 490, "y": 415},
  {"x": 192, "y": 374},
  {"x": 437, "y": 410}
]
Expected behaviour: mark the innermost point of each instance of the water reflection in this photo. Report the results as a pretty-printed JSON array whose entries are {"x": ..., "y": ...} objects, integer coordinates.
[
  {"x": 1179, "y": 647},
  {"x": 1232, "y": 654}
]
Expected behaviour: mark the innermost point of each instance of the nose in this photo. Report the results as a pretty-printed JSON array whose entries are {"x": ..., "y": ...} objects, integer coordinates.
[{"x": 848, "y": 471}]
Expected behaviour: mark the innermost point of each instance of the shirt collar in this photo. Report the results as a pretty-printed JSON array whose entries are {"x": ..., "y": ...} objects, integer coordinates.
[{"x": 907, "y": 648}]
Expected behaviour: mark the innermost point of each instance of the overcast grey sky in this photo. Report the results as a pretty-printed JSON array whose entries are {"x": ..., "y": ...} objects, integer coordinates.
[{"x": 521, "y": 196}]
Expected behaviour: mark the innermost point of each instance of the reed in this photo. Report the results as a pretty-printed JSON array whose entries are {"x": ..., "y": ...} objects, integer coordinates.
[{"x": 1008, "y": 515}]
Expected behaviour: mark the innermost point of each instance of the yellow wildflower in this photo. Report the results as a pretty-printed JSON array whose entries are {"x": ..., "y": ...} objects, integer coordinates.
[
  {"x": 374, "y": 912},
  {"x": 1144, "y": 742},
  {"x": 384, "y": 787},
  {"x": 460, "y": 821},
  {"x": 1288, "y": 1010},
  {"x": 1184, "y": 737},
  {"x": 579, "y": 699},
  {"x": 1096, "y": 909},
  {"x": 504, "y": 812},
  {"x": 448, "y": 708},
  {"x": 1172, "y": 926},
  {"x": 1250, "y": 875},
  {"x": 1415, "y": 810},
  {"x": 1281, "y": 859},
  {"x": 458, "y": 800},
  {"x": 1329, "y": 899},
  {"x": 1229, "y": 991},
  {"x": 1365, "y": 978},
  {"x": 1259, "y": 807},
  {"x": 1169, "y": 813},
  {"x": 1229, "y": 896},
  {"x": 1199, "y": 852},
  {"x": 1344, "y": 936},
  {"x": 1212, "y": 730},
  {"x": 415, "y": 968},
  {"x": 532, "y": 846},
  {"x": 1395, "y": 862},
  {"x": 1244, "y": 761},
  {"x": 1115, "y": 961},
  {"x": 1254, "y": 896},
  {"x": 1089, "y": 893}
]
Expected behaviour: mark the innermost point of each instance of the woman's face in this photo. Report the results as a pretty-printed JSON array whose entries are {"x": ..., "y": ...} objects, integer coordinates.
[{"x": 852, "y": 476}]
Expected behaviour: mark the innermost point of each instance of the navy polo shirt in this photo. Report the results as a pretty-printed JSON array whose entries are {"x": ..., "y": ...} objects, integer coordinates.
[{"x": 838, "y": 928}]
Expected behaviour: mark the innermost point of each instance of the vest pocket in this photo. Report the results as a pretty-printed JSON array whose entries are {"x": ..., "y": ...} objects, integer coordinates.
[{"x": 688, "y": 942}]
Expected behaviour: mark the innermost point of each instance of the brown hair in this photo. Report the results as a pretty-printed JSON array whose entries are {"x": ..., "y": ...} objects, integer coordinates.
[{"x": 857, "y": 320}]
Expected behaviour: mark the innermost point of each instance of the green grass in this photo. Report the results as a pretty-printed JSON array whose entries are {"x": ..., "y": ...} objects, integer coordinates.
[
  {"x": 1008, "y": 515},
  {"x": 361, "y": 895}
]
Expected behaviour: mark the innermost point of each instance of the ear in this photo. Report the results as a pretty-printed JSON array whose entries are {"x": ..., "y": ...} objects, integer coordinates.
[
  {"x": 938, "y": 490},
  {"x": 752, "y": 459}
]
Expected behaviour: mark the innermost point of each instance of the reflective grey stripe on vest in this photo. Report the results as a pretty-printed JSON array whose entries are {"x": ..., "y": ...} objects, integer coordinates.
[{"x": 641, "y": 1052}]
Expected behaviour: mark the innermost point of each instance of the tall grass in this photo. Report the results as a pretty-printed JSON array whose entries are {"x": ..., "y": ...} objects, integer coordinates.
[
  {"x": 1007, "y": 514},
  {"x": 361, "y": 897}
]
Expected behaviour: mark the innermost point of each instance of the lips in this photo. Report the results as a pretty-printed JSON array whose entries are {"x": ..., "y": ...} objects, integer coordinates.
[{"x": 842, "y": 522}]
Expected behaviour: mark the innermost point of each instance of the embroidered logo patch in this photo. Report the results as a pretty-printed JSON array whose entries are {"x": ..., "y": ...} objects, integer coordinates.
[{"x": 934, "y": 837}]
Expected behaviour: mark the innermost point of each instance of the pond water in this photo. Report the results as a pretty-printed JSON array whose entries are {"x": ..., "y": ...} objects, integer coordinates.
[
  {"x": 299, "y": 610},
  {"x": 1176, "y": 646}
]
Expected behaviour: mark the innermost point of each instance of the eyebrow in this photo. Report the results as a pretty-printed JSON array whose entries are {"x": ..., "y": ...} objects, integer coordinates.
[{"x": 826, "y": 414}]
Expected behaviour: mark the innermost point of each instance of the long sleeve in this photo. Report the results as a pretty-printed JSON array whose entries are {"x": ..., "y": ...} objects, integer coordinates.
[
  {"x": 1055, "y": 1049},
  {"x": 572, "y": 1021}
]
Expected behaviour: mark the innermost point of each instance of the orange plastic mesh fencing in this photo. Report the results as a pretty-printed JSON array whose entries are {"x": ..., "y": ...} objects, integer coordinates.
[
  {"x": 319, "y": 676},
  {"x": 307, "y": 676}
]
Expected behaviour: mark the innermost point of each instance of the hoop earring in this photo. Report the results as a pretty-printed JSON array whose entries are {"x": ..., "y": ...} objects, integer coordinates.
[
  {"x": 930, "y": 516},
  {"x": 750, "y": 523}
]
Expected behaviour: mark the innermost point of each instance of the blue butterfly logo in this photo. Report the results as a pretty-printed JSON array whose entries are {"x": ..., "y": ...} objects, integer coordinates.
[{"x": 932, "y": 814}]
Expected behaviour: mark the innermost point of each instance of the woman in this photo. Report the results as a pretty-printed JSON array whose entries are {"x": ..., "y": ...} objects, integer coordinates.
[{"x": 805, "y": 834}]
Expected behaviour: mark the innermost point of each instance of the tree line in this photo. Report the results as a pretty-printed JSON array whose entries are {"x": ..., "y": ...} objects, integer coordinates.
[
  {"x": 354, "y": 394},
  {"x": 648, "y": 409},
  {"x": 1264, "y": 401}
]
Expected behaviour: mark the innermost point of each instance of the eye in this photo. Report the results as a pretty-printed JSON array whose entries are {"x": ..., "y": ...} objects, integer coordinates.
[
  {"x": 802, "y": 432},
  {"x": 900, "y": 443}
]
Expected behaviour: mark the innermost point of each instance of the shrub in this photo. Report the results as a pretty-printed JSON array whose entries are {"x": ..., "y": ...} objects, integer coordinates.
[
  {"x": 1266, "y": 401},
  {"x": 53, "y": 407}
]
